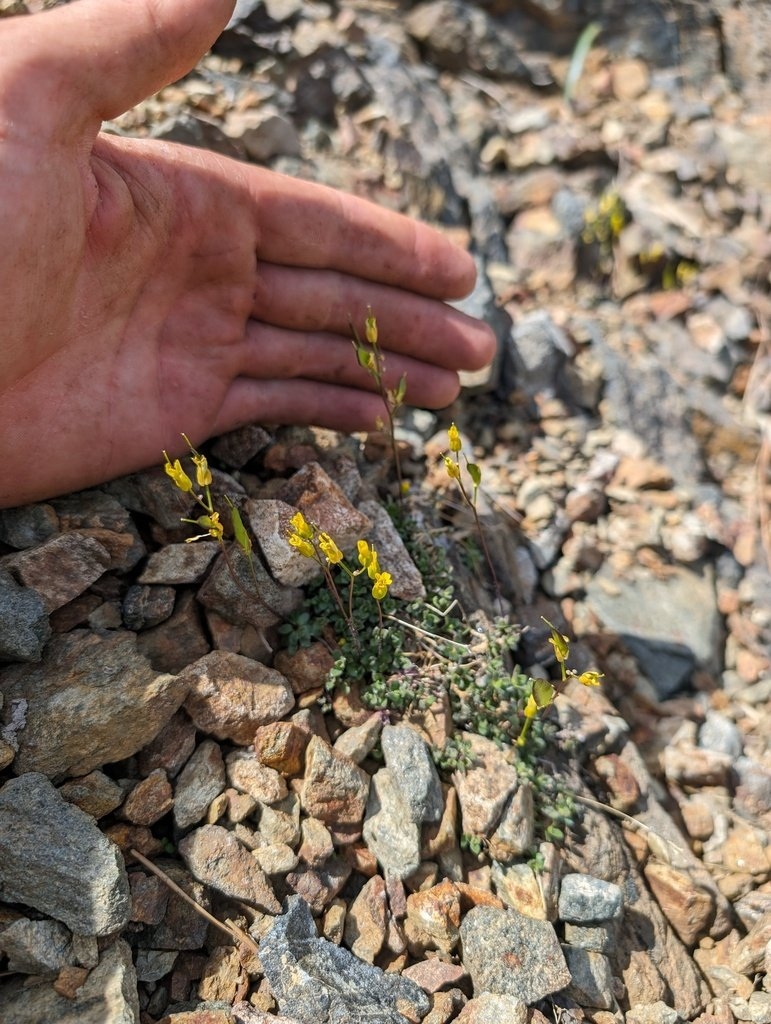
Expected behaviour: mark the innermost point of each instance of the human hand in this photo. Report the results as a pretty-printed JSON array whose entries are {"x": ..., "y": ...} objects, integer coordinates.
[{"x": 152, "y": 289}]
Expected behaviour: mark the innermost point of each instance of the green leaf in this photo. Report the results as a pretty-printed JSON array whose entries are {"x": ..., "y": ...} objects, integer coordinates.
[
  {"x": 475, "y": 473},
  {"x": 543, "y": 693}
]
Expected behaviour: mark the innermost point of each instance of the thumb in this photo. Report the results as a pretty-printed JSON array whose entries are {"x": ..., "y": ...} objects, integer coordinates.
[{"x": 92, "y": 60}]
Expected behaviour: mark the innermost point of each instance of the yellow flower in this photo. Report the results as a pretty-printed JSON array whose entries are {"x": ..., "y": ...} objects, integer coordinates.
[
  {"x": 455, "y": 441},
  {"x": 382, "y": 582},
  {"x": 210, "y": 523},
  {"x": 303, "y": 546},
  {"x": 531, "y": 708},
  {"x": 178, "y": 475},
  {"x": 202, "y": 471},
  {"x": 559, "y": 642},
  {"x": 299, "y": 525},
  {"x": 370, "y": 329},
  {"x": 330, "y": 549},
  {"x": 591, "y": 678},
  {"x": 365, "y": 552},
  {"x": 453, "y": 469}
]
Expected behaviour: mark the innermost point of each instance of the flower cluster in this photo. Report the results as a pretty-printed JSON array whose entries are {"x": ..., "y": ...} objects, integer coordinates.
[
  {"x": 314, "y": 543},
  {"x": 542, "y": 692},
  {"x": 210, "y": 521}
]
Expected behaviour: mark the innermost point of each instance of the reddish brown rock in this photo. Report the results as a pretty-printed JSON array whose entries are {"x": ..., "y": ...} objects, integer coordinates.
[
  {"x": 688, "y": 907},
  {"x": 307, "y": 668},
  {"x": 231, "y": 696},
  {"x": 433, "y": 918},
  {"x": 281, "y": 745},
  {"x": 366, "y": 921},
  {"x": 149, "y": 800},
  {"x": 215, "y": 857},
  {"x": 334, "y": 789}
]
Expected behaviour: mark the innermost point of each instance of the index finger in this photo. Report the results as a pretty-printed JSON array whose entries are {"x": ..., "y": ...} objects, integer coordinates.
[{"x": 302, "y": 224}]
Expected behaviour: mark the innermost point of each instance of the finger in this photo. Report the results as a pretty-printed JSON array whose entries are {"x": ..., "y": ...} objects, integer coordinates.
[
  {"x": 95, "y": 59},
  {"x": 298, "y": 402},
  {"x": 275, "y": 354},
  {"x": 410, "y": 324},
  {"x": 301, "y": 224}
]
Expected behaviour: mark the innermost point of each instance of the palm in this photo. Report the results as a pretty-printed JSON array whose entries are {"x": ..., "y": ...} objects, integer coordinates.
[{"x": 158, "y": 289}]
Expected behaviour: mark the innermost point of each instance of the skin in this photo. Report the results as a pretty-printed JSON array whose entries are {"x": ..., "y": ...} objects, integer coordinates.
[{"x": 149, "y": 288}]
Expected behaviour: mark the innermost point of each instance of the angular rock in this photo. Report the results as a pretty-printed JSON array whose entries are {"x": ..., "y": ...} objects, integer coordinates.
[
  {"x": 269, "y": 521},
  {"x": 24, "y": 626},
  {"x": 412, "y": 768},
  {"x": 433, "y": 918},
  {"x": 315, "y": 981},
  {"x": 588, "y": 900},
  {"x": 149, "y": 800},
  {"x": 366, "y": 920},
  {"x": 230, "y": 696},
  {"x": 91, "y": 701},
  {"x": 687, "y": 906},
  {"x": 489, "y": 1008},
  {"x": 95, "y": 794},
  {"x": 484, "y": 789},
  {"x": 516, "y": 831},
  {"x": 215, "y": 857},
  {"x": 109, "y": 993},
  {"x": 245, "y": 773},
  {"x": 325, "y": 506},
  {"x": 54, "y": 858},
  {"x": 392, "y": 554},
  {"x": 36, "y": 947},
  {"x": 200, "y": 781},
  {"x": 388, "y": 829},
  {"x": 591, "y": 978},
  {"x": 61, "y": 568},
  {"x": 671, "y": 625},
  {"x": 281, "y": 746},
  {"x": 509, "y": 954},
  {"x": 175, "y": 564},
  {"x": 334, "y": 788}
]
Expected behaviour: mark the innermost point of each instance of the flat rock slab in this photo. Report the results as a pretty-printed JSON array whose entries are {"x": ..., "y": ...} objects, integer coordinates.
[
  {"x": 509, "y": 954},
  {"x": 315, "y": 981},
  {"x": 109, "y": 993},
  {"x": 91, "y": 701},
  {"x": 54, "y": 857}
]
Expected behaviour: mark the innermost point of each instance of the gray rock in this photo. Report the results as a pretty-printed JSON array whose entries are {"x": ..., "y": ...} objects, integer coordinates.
[
  {"x": 591, "y": 978},
  {"x": 61, "y": 568},
  {"x": 538, "y": 349},
  {"x": 146, "y": 606},
  {"x": 588, "y": 900},
  {"x": 90, "y": 701},
  {"x": 508, "y": 953},
  {"x": 54, "y": 858},
  {"x": 109, "y": 993},
  {"x": 36, "y": 947},
  {"x": 202, "y": 778},
  {"x": 409, "y": 759},
  {"x": 28, "y": 525},
  {"x": 670, "y": 625},
  {"x": 24, "y": 627},
  {"x": 315, "y": 981},
  {"x": 720, "y": 734},
  {"x": 178, "y": 563},
  {"x": 389, "y": 831}
]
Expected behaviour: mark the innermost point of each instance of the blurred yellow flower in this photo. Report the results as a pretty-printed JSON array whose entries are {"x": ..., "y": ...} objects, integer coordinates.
[
  {"x": 382, "y": 582},
  {"x": 202, "y": 472},
  {"x": 178, "y": 475},
  {"x": 455, "y": 441},
  {"x": 330, "y": 549},
  {"x": 299, "y": 525},
  {"x": 453, "y": 469},
  {"x": 303, "y": 546}
]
